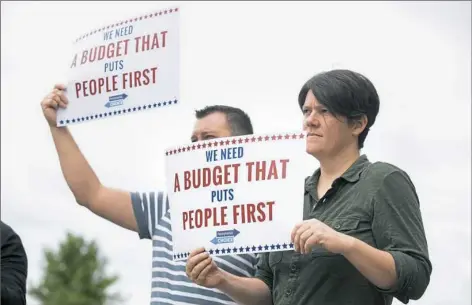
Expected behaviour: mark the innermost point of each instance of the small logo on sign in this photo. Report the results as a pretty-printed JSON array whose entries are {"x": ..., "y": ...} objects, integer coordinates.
[
  {"x": 225, "y": 237},
  {"x": 116, "y": 100}
]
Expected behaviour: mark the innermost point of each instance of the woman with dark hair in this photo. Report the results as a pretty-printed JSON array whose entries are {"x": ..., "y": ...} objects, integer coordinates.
[{"x": 362, "y": 240}]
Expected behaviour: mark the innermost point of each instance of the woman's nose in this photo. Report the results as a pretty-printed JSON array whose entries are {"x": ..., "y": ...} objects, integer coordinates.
[{"x": 312, "y": 120}]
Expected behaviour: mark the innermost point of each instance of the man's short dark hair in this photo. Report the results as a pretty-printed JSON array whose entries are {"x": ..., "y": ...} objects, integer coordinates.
[
  {"x": 238, "y": 121},
  {"x": 346, "y": 94}
]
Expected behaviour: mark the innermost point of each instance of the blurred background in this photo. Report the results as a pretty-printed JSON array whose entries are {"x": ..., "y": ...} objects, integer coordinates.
[{"x": 253, "y": 55}]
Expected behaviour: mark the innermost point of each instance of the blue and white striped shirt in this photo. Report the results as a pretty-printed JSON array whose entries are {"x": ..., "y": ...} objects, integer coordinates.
[{"x": 170, "y": 284}]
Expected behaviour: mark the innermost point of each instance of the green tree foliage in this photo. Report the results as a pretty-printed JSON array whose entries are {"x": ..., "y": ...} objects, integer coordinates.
[{"x": 75, "y": 275}]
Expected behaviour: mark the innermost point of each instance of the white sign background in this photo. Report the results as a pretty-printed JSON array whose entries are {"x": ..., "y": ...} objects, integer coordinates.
[
  {"x": 163, "y": 93},
  {"x": 253, "y": 237}
]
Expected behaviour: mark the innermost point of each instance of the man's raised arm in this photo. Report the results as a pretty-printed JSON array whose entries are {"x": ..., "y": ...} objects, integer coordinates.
[{"x": 111, "y": 204}]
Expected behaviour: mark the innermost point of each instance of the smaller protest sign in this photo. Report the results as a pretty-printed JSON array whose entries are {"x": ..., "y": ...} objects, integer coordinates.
[{"x": 126, "y": 67}]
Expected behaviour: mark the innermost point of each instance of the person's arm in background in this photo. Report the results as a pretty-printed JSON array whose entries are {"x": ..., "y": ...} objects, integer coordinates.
[
  {"x": 133, "y": 211},
  {"x": 111, "y": 204},
  {"x": 14, "y": 268}
]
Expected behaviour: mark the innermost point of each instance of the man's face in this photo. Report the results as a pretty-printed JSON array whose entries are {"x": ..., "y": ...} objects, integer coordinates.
[
  {"x": 327, "y": 135},
  {"x": 212, "y": 126}
]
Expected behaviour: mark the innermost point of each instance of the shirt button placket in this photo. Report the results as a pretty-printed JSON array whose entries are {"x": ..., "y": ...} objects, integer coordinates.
[{"x": 292, "y": 280}]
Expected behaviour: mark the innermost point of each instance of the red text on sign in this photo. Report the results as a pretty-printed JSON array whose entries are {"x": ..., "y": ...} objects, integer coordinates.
[
  {"x": 267, "y": 170},
  {"x": 217, "y": 216},
  {"x": 219, "y": 175},
  {"x": 150, "y": 42},
  {"x": 139, "y": 78},
  {"x": 112, "y": 83},
  {"x": 249, "y": 213},
  {"x": 108, "y": 51},
  {"x": 204, "y": 217},
  {"x": 96, "y": 86}
]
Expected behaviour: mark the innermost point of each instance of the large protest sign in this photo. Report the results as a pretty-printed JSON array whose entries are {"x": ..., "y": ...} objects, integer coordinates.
[
  {"x": 236, "y": 195},
  {"x": 126, "y": 67}
]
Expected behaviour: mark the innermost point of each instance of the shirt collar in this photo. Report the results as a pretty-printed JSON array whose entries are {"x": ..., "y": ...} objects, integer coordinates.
[{"x": 352, "y": 174}]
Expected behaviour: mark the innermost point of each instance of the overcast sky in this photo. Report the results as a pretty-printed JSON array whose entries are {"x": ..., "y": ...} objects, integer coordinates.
[{"x": 255, "y": 56}]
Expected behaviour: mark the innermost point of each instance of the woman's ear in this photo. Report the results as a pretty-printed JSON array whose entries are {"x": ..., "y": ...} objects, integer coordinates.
[{"x": 359, "y": 125}]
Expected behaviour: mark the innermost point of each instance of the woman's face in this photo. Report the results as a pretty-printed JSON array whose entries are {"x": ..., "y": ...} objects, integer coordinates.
[{"x": 327, "y": 135}]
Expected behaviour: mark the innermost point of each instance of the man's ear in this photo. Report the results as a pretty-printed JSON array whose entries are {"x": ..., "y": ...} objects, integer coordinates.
[{"x": 359, "y": 125}]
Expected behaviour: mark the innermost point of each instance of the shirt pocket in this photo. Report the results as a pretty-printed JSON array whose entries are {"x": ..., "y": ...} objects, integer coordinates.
[{"x": 343, "y": 225}]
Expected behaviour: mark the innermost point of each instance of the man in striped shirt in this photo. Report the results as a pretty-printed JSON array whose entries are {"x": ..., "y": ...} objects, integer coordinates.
[{"x": 148, "y": 213}]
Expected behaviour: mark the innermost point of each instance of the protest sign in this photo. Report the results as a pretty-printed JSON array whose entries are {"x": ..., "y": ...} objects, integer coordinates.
[
  {"x": 236, "y": 195},
  {"x": 126, "y": 67}
]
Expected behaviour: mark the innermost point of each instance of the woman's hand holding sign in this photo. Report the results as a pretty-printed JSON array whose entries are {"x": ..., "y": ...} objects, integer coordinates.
[
  {"x": 311, "y": 233},
  {"x": 202, "y": 270}
]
